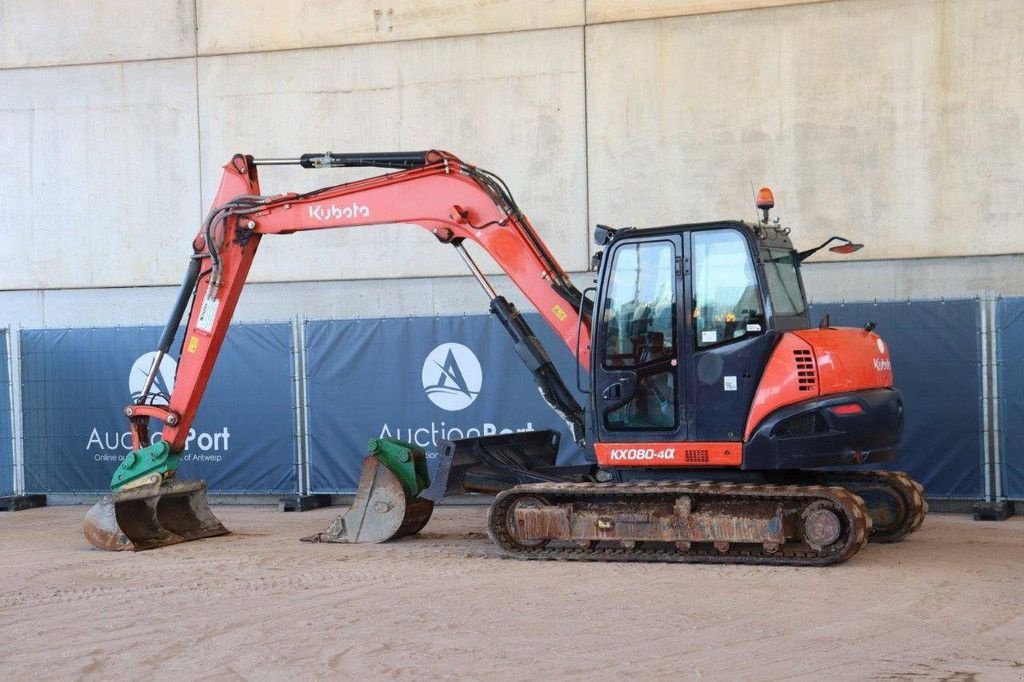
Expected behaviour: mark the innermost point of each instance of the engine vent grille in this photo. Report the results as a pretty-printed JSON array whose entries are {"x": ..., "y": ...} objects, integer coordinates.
[
  {"x": 806, "y": 424},
  {"x": 806, "y": 374},
  {"x": 700, "y": 456}
]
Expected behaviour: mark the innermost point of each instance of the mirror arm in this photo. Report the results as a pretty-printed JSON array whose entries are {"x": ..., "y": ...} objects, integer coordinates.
[{"x": 802, "y": 255}]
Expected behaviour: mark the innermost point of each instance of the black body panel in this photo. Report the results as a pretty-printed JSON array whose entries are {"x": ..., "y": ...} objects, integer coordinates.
[
  {"x": 809, "y": 434},
  {"x": 723, "y": 381}
]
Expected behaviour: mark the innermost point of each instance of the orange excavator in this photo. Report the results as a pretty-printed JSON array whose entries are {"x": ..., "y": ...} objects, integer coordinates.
[{"x": 721, "y": 424}]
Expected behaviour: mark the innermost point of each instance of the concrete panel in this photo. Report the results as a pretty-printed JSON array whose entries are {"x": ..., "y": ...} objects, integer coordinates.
[
  {"x": 227, "y": 26},
  {"x": 101, "y": 174},
  {"x": 920, "y": 278},
  {"x": 510, "y": 103},
  {"x": 604, "y": 11},
  {"x": 897, "y": 123},
  {"x": 49, "y": 32}
]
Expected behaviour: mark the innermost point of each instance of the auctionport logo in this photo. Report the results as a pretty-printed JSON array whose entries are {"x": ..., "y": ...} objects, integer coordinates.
[
  {"x": 162, "y": 385},
  {"x": 452, "y": 377}
]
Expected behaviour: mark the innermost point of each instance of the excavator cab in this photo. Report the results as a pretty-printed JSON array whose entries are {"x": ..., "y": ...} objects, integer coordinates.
[
  {"x": 703, "y": 335},
  {"x": 688, "y": 317}
]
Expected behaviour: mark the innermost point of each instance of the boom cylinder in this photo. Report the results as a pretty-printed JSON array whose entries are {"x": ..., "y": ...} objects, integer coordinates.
[{"x": 188, "y": 285}]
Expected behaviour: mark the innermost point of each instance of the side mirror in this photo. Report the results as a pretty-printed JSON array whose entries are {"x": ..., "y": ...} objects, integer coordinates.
[{"x": 846, "y": 247}]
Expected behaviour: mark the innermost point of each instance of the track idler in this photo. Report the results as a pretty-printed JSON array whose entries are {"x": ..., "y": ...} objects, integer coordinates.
[
  {"x": 386, "y": 506},
  {"x": 894, "y": 500},
  {"x": 152, "y": 515}
]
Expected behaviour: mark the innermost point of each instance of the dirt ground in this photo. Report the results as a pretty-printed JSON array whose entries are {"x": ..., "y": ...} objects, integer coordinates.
[{"x": 945, "y": 604}]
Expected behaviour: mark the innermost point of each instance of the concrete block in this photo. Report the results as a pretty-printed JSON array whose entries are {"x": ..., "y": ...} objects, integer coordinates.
[
  {"x": 227, "y": 26},
  {"x": 102, "y": 174},
  {"x": 604, "y": 11},
  {"x": 512, "y": 104},
  {"x": 896, "y": 123},
  {"x": 50, "y": 32},
  {"x": 914, "y": 278}
]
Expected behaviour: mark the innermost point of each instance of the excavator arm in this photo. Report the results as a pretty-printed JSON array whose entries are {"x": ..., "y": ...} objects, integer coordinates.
[{"x": 435, "y": 190}]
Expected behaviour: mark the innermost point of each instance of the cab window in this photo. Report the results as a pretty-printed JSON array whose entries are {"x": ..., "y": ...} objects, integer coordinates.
[
  {"x": 727, "y": 300},
  {"x": 639, "y": 311}
]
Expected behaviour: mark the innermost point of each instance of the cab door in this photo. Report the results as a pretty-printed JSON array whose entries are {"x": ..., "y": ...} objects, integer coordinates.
[
  {"x": 638, "y": 389},
  {"x": 730, "y": 334}
]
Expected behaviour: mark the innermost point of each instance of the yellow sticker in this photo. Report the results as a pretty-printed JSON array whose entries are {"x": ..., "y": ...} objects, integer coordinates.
[
  {"x": 559, "y": 313},
  {"x": 193, "y": 343}
]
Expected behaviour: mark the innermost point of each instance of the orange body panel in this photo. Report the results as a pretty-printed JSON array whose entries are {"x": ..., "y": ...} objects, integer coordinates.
[
  {"x": 813, "y": 362},
  {"x": 682, "y": 454},
  {"x": 849, "y": 359}
]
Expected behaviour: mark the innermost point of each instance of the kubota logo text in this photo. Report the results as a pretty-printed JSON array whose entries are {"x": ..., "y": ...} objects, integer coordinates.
[
  {"x": 452, "y": 376},
  {"x": 162, "y": 385},
  {"x": 333, "y": 212}
]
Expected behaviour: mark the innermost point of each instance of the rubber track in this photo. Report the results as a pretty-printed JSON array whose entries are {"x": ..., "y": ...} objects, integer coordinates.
[
  {"x": 906, "y": 487},
  {"x": 794, "y": 554}
]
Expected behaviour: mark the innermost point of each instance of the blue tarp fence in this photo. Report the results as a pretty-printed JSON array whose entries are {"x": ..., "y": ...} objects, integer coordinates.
[
  {"x": 6, "y": 418},
  {"x": 936, "y": 356},
  {"x": 427, "y": 379},
  {"x": 1010, "y": 395},
  {"x": 422, "y": 380},
  {"x": 76, "y": 382}
]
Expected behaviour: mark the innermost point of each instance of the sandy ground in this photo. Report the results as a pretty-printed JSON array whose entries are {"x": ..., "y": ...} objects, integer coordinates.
[{"x": 945, "y": 604}]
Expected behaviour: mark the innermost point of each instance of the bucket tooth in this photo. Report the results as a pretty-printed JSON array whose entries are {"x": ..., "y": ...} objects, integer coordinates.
[
  {"x": 152, "y": 516},
  {"x": 380, "y": 511}
]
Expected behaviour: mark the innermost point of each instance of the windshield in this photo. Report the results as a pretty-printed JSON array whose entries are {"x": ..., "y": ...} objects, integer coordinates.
[{"x": 783, "y": 281}]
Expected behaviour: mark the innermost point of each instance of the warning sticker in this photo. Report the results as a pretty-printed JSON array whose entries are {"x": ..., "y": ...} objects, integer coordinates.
[{"x": 207, "y": 313}]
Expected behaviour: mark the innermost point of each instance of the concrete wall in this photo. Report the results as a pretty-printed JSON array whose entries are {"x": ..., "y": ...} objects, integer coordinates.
[{"x": 895, "y": 122}]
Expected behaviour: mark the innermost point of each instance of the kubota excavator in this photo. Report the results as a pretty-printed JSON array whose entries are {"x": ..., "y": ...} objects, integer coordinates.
[{"x": 714, "y": 415}]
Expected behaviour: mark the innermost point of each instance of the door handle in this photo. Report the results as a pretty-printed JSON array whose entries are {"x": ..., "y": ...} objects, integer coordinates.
[{"x": 613, "y": 392}]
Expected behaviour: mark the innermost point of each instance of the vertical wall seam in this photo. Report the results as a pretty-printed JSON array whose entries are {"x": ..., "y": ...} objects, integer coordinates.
[
  {"x": 199, "y": 118},
  {"x": 586, "y": 149}
]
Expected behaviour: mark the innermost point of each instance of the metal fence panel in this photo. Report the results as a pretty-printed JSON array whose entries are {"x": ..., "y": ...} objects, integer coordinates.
[
  {"x": 1010, "y": 380},
  {"x": 936, "y": 357},
  {"x": 76, "y": 382},
  {"x": 6, "y": 424},
  {"x": 422, "y": 380}
]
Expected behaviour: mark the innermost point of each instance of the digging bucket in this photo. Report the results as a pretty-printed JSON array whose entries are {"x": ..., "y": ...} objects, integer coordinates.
[
  {"x": 152, "y": 516},
  {"x": 382, "y": 509}
]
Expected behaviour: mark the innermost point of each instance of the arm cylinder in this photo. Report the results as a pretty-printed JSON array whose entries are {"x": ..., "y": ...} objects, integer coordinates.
[{"x": 360, "y": 160}]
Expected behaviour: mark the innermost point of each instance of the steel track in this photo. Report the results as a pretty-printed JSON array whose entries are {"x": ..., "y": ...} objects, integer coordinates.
[{"x": 856, "y": 522}]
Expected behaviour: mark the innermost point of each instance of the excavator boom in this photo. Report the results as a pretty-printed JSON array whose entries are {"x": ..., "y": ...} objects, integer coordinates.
[{"x": 435, "y": 190}]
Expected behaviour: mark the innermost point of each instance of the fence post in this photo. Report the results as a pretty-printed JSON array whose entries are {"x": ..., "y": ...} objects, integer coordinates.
[
  {"x": 10, "y": 401},
  {"x": 994, "y": 507},
  {"x": 17, "y": 409},
  {"x": 19, "y": 500},
  {"x": 298, "y": 372},
  {"x": 302, "y": 500},
  {"x": 304, "y": 381},
  {"x": 996, "y": 429},
  {"x": 983, "y": 338}
]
